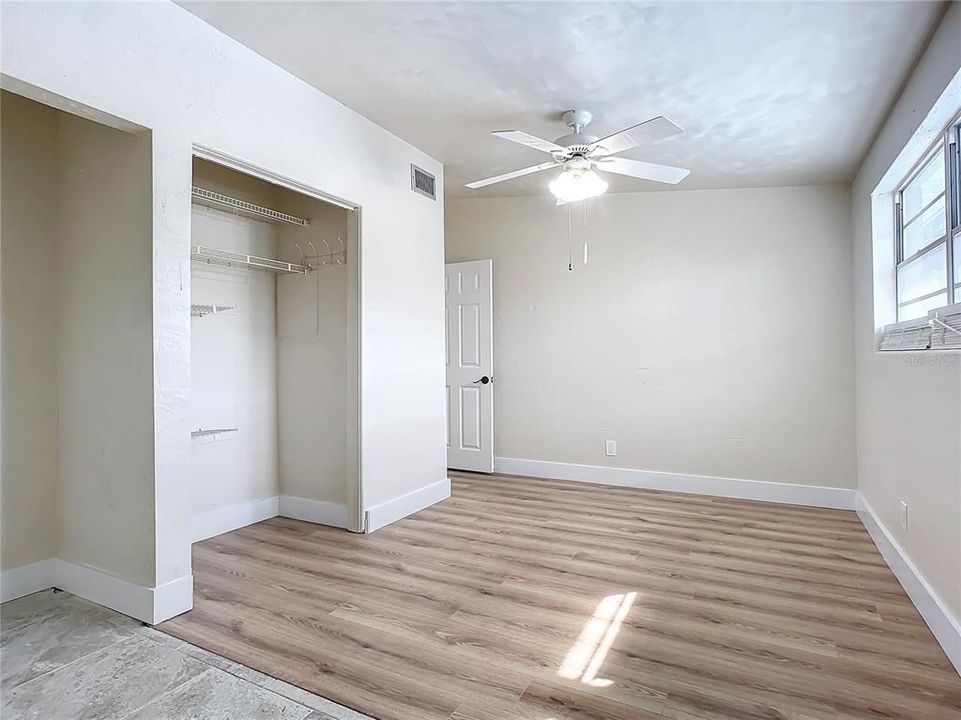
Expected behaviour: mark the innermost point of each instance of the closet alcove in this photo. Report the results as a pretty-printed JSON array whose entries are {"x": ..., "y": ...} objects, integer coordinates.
[
  {"x": 78, "y": 424},
  {"x": 270, "y": 347}
]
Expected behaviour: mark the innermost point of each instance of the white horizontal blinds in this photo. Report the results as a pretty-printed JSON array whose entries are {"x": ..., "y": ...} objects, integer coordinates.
[
  {"x": 939, "y": 330},
  {"x": 946, "y": 328},
  {"x": 912, "y": 335}
]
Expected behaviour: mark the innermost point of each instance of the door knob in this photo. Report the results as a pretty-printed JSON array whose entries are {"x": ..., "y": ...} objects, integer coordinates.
[{"x": 483, "y": 381}]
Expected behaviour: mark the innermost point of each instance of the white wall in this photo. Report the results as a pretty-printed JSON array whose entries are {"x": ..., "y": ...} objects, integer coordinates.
[
  {"x": 709, "y": 334},
  {"x": 234, "y": 353},
  {"x": 157, "y": 66},
  {"x": 908, "y": 404},
  {"x": 28, "y": 238}
]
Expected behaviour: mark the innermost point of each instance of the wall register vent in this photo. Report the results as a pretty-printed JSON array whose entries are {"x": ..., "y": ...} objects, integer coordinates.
[{"x": 422, "y": 182}]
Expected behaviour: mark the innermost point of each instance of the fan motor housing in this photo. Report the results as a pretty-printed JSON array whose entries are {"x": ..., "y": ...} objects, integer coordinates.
[{"x": 577, "y": 143}]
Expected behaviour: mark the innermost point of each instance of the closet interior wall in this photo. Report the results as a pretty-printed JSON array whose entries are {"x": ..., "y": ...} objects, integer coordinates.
[
  {"x": 233, "y": 352},
  {"x": 312, "y": 356},
  {"x": 268, "y": 368},
  {"x": 77, "y": 358}
]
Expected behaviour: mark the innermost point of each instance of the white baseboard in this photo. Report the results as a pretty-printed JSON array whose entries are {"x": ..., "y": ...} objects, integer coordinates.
[
  {"x": 944, "y": 626},
  {"x": 149, "y": 604},
  {"x": 232, "y": 517},
  {"x": 315, "y": 511},
  {"x": 812, "y": 495},
  {"x": 27, "y": 579},
  {"x": 173, "y": 598},
  {"x": 400, "y": 507}
]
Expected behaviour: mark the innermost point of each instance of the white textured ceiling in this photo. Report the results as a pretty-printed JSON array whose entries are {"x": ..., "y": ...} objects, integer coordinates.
[{"x": 768, "y": 93}]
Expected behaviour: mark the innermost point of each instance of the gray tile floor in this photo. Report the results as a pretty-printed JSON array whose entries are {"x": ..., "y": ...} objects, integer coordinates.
[{"x": 64, "y": 657}]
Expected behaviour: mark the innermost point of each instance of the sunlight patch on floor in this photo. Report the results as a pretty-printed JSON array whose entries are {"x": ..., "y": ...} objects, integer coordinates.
[{"x": 583, "y": 661}]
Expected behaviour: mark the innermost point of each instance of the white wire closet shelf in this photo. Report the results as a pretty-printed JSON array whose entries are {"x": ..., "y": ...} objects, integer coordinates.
[
  {"x": 242, "y": 261},
  {"x": 219, "y": 201},
  {"x": 204, "y": 432}
]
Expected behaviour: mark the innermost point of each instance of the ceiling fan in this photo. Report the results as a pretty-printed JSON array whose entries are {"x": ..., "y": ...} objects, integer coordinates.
[{"x": 580, "y": 154}]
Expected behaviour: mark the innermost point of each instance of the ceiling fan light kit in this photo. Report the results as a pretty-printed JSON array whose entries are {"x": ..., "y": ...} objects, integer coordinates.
[
  {"x": 575, "y": 184},
  {"x": 580, "y": 155}
]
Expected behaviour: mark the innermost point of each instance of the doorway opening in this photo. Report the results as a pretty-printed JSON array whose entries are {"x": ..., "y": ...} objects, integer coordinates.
[
  {"x": 274, "y": 409},
  {"x": 470, "y": 365}
]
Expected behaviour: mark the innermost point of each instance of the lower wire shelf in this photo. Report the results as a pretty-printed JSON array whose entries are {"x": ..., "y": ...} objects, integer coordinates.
[{"x": 204, "y": 432}]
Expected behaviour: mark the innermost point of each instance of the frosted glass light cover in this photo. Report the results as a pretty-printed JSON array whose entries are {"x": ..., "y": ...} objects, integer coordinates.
[{"x": 574, "y": 185}]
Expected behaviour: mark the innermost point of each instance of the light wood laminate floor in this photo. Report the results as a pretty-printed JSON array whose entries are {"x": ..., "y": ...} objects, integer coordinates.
[{"x": 549, "y": 600}]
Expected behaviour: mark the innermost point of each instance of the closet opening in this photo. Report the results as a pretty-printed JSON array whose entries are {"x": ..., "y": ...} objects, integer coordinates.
[
  {"x": 77, "y": 313},
  {"x": 274, "y": 359}
]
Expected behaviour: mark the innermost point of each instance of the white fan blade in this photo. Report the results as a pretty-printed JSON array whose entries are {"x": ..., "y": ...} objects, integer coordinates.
[
  {"x": 645, "y": 132},
  {"x": 642, "y": 170},
  {"x": 529, "y": 140},
  {"x": 511, "y": 175}
]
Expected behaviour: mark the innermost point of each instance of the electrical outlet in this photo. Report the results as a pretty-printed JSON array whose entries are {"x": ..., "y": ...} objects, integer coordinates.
[
  {"x": 610, "y": 448},
  {"x": 904, "y": 515}
]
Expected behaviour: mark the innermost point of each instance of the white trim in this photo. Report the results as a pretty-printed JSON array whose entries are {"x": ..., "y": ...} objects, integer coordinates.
[
  {"x": 813, "y": 495},
  {"x": 220, "y": 158},
  {"x": 151, "y": 605},
  {"x": 315, "y": 511},
  {"x": 400, "y": 507},
  {"x": 27, "y": 579},
  {"x": 232, "y": 517},
  {"x": 945, "y": 627},
  {"x": 173, "y": 598}
]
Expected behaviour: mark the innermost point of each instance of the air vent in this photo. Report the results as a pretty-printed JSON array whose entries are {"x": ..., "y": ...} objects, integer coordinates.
[{"x": 422, "y": 182}]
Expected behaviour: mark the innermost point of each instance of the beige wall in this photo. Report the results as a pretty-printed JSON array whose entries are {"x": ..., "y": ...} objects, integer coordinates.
[
  {"x": 105, "y": 380},
  {"x": 312, "y": 377},
  {"x": 28, "y": 238},
  {"x": 709, "y": 334},
  {"x": 77, "y": 368},
  {"x": 909, "y": 404}
]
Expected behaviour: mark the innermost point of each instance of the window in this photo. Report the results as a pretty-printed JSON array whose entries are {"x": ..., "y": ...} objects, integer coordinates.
[{"x": 928, "y": 231}]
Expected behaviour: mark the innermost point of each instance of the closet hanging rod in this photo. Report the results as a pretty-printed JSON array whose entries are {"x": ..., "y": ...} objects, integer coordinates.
[
  {"x": 219, "y": 201},
  {"x": 242, "y": 261}
]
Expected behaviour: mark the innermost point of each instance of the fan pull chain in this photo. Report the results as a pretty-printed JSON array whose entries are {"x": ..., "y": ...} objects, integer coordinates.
[
  {"x": 570, "y": 237},
  {"x": 586, "y": 236}
]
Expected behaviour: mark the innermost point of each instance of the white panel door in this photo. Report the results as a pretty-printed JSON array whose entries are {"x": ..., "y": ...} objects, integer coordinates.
[{"x": 470, "y": 366}]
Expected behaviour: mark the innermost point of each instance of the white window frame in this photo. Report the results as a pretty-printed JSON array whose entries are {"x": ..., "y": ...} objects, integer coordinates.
[
  {"x": 953, "y": 169},
  {"x": 950, "y": 141}
]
